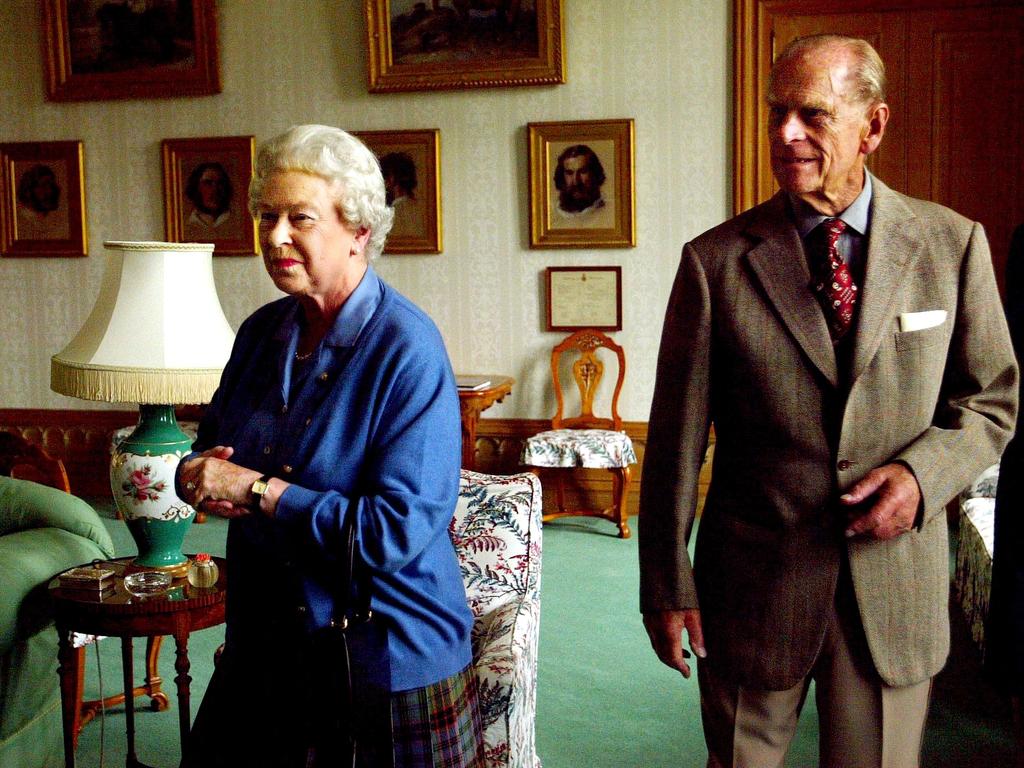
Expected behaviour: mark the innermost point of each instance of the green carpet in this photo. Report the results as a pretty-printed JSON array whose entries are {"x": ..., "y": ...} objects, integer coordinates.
[{"x": 603, "y": 698}]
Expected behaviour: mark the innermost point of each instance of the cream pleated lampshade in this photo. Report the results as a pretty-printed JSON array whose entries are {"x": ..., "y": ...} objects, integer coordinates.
[{"x": 157, "y": 333}]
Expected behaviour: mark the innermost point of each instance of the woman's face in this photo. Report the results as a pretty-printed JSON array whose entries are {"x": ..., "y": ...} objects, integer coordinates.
[{"x": 308, "y": 249}]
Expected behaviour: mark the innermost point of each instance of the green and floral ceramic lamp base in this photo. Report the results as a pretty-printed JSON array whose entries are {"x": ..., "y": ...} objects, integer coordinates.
[
  {"x": 156, "y": 335},
  {"x": 142, "y": 480}
]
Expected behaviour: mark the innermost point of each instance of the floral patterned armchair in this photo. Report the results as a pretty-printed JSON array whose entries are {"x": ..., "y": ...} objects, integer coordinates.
[
  {"x": 973, "y": 575},
  {"x": 496, "y": 530}
]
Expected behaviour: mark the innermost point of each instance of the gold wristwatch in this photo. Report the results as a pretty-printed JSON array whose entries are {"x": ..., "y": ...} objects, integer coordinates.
[{"x": 258, "y": 490}]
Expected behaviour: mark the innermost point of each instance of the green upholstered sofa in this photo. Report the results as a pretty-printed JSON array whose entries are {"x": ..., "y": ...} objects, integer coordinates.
[{"x": 42, "y": 531}]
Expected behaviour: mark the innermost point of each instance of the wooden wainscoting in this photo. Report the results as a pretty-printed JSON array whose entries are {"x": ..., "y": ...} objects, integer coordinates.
[{"x": 81, "y": 439}]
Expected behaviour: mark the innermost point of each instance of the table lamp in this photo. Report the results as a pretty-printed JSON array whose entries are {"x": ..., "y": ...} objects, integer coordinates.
[{"x": 157, "y": 336}]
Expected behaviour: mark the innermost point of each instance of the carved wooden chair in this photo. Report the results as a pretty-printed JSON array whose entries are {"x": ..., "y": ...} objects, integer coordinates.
[
  {"x": 585, "y": 440},
  {"x": 23, "y": 460}
]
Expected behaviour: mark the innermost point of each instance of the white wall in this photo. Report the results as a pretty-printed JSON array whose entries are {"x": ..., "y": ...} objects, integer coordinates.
[{"x": 665, "y": 63}]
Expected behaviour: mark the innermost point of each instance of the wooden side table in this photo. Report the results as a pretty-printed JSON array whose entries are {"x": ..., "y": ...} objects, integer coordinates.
[
  {"x": 473, "y": 402},
  {"x": 179, "y": 611}
]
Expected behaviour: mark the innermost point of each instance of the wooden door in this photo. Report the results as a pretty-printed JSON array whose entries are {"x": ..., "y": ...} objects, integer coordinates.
[{"x": 956, "y": 89}]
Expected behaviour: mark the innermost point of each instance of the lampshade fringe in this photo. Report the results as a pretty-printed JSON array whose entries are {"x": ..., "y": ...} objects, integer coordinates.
[{"x": 134, "y": 385}]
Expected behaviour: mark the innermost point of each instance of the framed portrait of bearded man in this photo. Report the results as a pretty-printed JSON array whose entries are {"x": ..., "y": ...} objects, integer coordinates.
[{"x": 581, "y": 184}]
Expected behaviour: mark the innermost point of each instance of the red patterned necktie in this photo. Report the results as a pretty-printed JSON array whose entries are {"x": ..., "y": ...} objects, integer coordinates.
[{"x": 834, "y": 283}]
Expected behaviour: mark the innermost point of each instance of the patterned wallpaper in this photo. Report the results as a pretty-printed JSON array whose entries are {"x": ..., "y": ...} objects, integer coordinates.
[{"x": 665, "y": 63}]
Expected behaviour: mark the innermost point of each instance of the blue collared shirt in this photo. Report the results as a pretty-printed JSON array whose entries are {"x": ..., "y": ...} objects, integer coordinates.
[{"x": 852, "y": 244}]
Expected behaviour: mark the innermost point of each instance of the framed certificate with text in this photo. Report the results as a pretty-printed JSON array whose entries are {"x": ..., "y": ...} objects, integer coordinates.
[{"x": 584, "y": 297}]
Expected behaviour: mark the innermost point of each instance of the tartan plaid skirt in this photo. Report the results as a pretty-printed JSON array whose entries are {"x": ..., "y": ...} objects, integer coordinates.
[
  {"x": 247, "y": 719},
  {"x": 439, "y": 726}
]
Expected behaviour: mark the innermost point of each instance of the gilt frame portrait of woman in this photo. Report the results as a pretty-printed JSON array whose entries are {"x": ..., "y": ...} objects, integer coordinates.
[{"x": 206, "y": 183}]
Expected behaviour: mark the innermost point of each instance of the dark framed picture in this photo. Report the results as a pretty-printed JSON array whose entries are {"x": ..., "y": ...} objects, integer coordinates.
[
  {"x": 206, "y": 186},
  {"x": 584, "y": 297},
  {"x": 411, "y": 164},
  {"x": 581, "y": 184},
  {"x": 42, "y": 199},
  {"x": 442, "y": 44},
  {"x": 130, "y": 50}
]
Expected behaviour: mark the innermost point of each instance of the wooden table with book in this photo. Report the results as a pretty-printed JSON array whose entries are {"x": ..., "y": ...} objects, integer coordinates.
[
  {"x": 103, "y": 605},
  {"x": 477, "y": 393}
]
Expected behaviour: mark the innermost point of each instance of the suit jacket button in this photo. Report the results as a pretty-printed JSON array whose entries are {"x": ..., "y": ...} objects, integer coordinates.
[{"x": 844, "y": 465}]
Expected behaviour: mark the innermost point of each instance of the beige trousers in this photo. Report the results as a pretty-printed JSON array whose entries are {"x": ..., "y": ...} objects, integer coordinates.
[{"x": 864, "y": 723}]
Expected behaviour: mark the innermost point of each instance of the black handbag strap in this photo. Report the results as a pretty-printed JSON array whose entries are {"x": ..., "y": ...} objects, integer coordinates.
[
  {"x": 364, "y": 697},
  {"x": 353, "y": 602}
]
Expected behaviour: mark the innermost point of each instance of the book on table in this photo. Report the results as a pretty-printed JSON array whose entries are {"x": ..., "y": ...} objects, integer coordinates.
[{"x": 472, "y": 383}]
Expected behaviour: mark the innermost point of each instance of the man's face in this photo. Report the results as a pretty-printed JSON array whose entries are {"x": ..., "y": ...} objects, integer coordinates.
[
  {"x": 212, "y": 192},
  {"x": 819, "y": 136},
  {"x": 578, "y": 189}
]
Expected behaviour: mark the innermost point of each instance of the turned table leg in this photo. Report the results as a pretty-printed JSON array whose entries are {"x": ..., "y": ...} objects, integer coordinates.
[
  {"x": 68, "y": 671},
  {"x": 182, "y": 666},
  {"x": 129, "y": 700}
]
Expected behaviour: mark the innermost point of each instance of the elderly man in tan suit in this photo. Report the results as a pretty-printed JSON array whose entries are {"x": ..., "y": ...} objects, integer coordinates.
[{"x": 849, "y": 346}]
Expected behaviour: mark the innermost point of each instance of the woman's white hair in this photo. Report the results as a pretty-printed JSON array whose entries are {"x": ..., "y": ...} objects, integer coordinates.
[{"x": 343, "y": 162}]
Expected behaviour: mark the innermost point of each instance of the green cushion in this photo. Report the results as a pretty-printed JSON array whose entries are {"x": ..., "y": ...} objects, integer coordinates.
[
  {"x": 25, "y": 504},
  {"x": 42, "y": 532}
]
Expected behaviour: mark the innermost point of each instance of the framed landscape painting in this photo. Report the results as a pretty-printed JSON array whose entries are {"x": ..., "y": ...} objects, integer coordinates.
[
  {"x": 443, "y": 44},
  {"x": 130, "y": 50},
  {"x": 42, "y": 199}
]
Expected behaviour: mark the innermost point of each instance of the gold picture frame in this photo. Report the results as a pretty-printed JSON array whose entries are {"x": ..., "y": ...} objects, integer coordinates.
[
  {"x": 584, "y": 297},
  {"x": 582, "y": 184},
  {"x": 206, "y": 188},
  {"x": 443, "y": 45},
  {"x": 96, "y": 51},
  {"x": 411, "y": 164},
  {"x": 42, "y": 199}
]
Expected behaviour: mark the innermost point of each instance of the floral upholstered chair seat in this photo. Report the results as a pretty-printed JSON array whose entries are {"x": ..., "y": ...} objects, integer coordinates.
[
  {"x": 586, "y": 440},
  {"x": 973, "y": 576},
  {"x": 496, "y": 531},
  {"x": 594, "y": 448}
]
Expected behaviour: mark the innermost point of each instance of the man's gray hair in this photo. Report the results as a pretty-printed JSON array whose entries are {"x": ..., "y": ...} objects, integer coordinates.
[
  {"x": 343, "y": 162},
  {"x": 867, "y": 73}
]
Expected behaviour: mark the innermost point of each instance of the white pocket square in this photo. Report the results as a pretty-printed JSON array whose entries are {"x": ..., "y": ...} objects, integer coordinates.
[{"x": 918, "y": 321}]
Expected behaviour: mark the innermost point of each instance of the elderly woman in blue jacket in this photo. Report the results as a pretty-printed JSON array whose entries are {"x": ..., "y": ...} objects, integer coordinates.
[{"x": 338, "y": 400}]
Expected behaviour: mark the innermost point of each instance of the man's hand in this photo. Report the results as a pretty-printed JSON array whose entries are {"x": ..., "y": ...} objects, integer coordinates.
[
  {"x": 897, "y": 497},
  {"x": 665, "y": 629}
]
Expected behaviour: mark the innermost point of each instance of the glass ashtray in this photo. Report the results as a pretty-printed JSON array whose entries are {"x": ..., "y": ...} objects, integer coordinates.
[{"x": 145, "y": 583}]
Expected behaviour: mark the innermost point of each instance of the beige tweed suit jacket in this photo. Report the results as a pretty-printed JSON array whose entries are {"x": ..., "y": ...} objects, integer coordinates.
[{"x": 745, "y": 346}]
